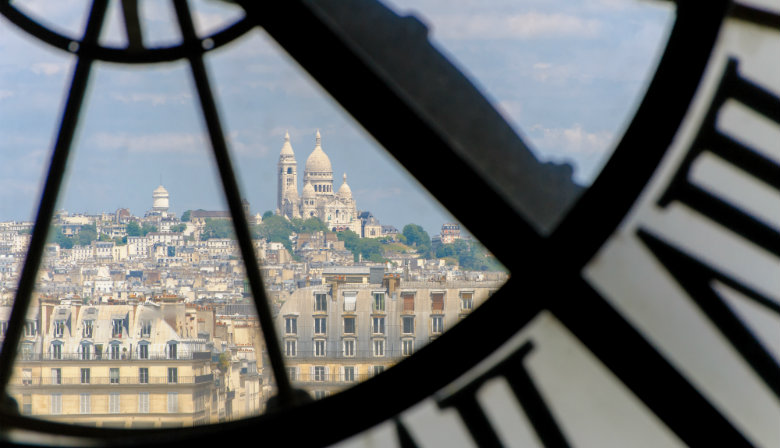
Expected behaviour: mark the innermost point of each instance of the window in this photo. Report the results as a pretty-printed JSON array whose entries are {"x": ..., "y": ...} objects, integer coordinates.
[
  {"x": 56, "y": 404},
  {"x": 437, "y": 324},
  {"x": 319, "y": 373},
  {"x": 85, "y": 374},
  {"x": 113, "y": 403},
  {"x": 407, "y": 324},
  {"x": 26, "y": 377},
  {"x": 437, "y": 302},
  {"x": 290, "y": 347},
  {"x": 173, "y": 375},
  {"x": 143, "y": 402},
  {"x": 319, "y": 347},
  {"x": 27, "y": 404},
  {"x": 27, "y": 351},
  {"x": 143, "y": 375},
  {"x": 408, "y": 300},
  {"x": 113, "y": 375},
  {"x": 378, "y": 369},
  {"x": 143, "y": 351},
  {"x": 84, "y": 403},
  {"x": 30, "y": 328},
  {"x": 349, "y": 347},
  {"x": 146, "y": 328},
  {"x": 320, "y": 394},
  {"x": 59, "y": 328},
  {"x": 407, "y": 347},
  {"x": 466, "y": 301},
  {"x": 379, "y": 301},
  {"x": 114, "y": 351},
  {"x": 86, "y": 351},
  {"x": 321, "y": 302},
  {"x": 291, "y": 325},
  {"x": 292, "y": 373},
  {"x": 319, "y": 325},
  {"x": 349, "y": 374},
  {"x": 349, "y": 325},
  {"x": 87, "y": 330},
  {"x": 378, "y": 325},
  {"x": 350, "y": 301},
  {"x": 56, "y": 376},
  {"x": 171, "y": 351},
  {"x": 379, "y": 347},
  {"x": 173, "y": 402},
  {"x": 56, "y": 350},
  {"x": 116, "y": 328}
]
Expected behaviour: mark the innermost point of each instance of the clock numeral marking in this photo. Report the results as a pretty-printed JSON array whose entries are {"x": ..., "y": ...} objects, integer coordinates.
[
  {"x": 464, "y": 401},
  {"x": 695, "y": 275}
]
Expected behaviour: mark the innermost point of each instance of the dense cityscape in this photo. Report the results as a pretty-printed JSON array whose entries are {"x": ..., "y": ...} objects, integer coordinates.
[{"x": 148, "y": 321}]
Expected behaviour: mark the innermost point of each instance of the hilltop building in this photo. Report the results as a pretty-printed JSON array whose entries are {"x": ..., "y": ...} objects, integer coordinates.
[{"x": 337, "y": 210}]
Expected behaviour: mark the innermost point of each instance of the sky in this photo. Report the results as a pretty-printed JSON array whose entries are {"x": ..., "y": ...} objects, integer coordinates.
[{"x": 567, "y": 75}]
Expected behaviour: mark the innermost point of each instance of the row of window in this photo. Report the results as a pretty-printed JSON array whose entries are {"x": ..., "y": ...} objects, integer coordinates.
[
  {"x": 378, "y": 301},
  {"x": 85, "y": 403},
  {"x": 113, "y": 375},
  {"x": 350, "y": 326},
  {"x": 87, "y": 328},
  {"x": 348, "y": 346},
  {"x": 322, "y": 373}
]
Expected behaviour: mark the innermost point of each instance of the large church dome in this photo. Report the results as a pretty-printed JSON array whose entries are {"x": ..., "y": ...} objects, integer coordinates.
[{"x": 318, "y": 161}]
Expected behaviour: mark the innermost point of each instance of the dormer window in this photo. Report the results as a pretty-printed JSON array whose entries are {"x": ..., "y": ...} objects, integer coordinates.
[
  {"x": 171, "y": 350},
  {"x": 321, "y": 302},
  {"x": 116, "y": 328},
  {"x": 59, "y": 328},
  {"x": 30, "y": 328},
  {"x": 146, "y": 328},
  {"x": 88, "y": 328}
]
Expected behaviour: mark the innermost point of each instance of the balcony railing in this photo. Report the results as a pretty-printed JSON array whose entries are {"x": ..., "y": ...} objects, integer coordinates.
[
  {"x": 309, "y": 355},
  {"x": 107, "y": 357},
  {"x": 330, "y": 378},
  {"x": 122, "y": 380}
]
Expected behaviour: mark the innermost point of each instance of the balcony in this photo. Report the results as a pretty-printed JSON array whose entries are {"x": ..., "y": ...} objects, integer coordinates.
[
  {"x": 360, "y": 355},
  {"x": 115, "y": 381},
  {"x": 37, "y": 357}
]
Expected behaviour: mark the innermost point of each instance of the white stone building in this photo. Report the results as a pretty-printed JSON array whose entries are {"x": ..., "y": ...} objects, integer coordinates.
[{"x": 337, "y": 210}]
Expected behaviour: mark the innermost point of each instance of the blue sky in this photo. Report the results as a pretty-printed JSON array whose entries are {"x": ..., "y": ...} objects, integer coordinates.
[{"x": 565, "y": 74}]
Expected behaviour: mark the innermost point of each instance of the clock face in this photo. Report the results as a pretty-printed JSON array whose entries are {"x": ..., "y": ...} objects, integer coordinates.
[{"x": 643, "y": 310}]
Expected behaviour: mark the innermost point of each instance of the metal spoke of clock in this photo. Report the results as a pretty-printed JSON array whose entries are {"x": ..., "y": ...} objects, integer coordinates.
[
  {"x": 51, "y": 189},
  {"x": 222, "y": 158}
]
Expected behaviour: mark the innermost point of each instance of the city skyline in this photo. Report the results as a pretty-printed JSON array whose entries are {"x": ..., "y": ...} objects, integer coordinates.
[{"x": 540, "y": 64}]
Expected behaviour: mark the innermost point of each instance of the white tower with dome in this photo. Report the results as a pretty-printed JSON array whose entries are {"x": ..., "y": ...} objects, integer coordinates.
[{"x": 160, "y": 200}]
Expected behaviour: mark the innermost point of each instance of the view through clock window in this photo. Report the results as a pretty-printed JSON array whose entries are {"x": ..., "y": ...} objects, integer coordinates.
[{"x": 142, "y": 306}]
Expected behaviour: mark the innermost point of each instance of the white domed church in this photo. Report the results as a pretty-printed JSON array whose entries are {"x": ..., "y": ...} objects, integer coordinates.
[{"x": 337, "y": 210}]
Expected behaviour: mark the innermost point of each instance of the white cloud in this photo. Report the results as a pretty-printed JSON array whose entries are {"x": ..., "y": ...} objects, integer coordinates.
[
  {"x": 156, "y": 99},
  {"x": 6, "y": 94},
  {"x": 169, "y": 142},
  {"x": 573, "y": 141},
  {"x": 515, "y": 26},
  {"x": 48, "y": 68}
]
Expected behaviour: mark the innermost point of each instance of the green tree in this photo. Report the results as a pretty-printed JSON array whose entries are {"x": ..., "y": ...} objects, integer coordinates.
[
  {"x": 146, "y": 228},
  {"x": 185, "y": 217},
  {"x": 417, "y": 236},
  {"x": 104, "y": 237},
  {"x": 217, "y": 228},
  {"x": 56, "y": 236},
  {"x": 369, "y": 248},
  {"x": 87, "y": 234},
  {"x": 267, "y": 214},
  {"x": 179, "y": 228},
  {"x": 133, "y": 229},
  {"x": 275, "y": 228}
]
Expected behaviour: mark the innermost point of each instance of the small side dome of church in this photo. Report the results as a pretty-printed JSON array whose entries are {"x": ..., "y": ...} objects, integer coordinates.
[
  {"x": 344, "y": 191},
  {"x": 308, "y": 191},
  {"x": 287, "y": 149},
  {"x": 318, "y": 161}
]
